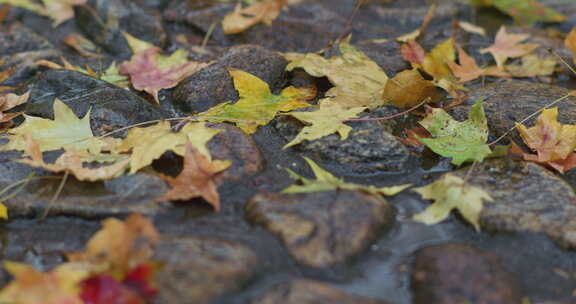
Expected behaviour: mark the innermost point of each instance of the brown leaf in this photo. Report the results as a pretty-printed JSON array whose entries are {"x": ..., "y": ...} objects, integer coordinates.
[
  {"x": 196, "y": 178},
  {"x": 467, "y": 70},
  {"x": 408, "y": 88},
  {"x": 120, "y": 246}
]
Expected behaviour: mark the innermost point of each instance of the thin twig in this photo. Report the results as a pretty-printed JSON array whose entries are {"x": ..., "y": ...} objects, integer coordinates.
[
  {"x": 56, "y": 195},
  {"x": 391, "y": 116}
]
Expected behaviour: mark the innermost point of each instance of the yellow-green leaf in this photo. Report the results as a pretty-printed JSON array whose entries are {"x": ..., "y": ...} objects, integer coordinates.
[
  {"x": 523, "y": 11},
  {"x": 452, "y": 192},
  {"x": 325, "y": 181},
  {"x": 257, "y": 105},
  {"x": 328, "y": 119},
  {"x": 65, "y": 131},
  {"x": 149, "y": 143}
]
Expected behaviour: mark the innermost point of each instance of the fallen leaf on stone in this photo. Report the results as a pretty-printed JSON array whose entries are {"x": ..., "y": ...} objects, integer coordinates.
[
  {"x": 462, "y": 141},
  {"x": 119, "y": 246},
  {"x": 151, "y": 71},
  {"x": 452, "y": 192},
  {"x": 57, "y": 10},
  {"x": 243, "y": 18},
  {"x": 408, "y": 88},
  {"x": 467, "y": 70},
  {"x": 65, "y": 131},
  {"x": 358, "y": 81},
  {"x": 325, "y": 181},
  {"x": 196, "y": 178},
  {"x": 327, "y": 119},
  {"x": 533, "y": 65},
  {"x": 66, "y": 65},
  {"x": 508, "y": 46},
  {"x": 149, "y": 143},
  {"x": 413, "y": 136},
  {"x": 30, "y": 286},
  {"x": 523, "y": 11},
  {"x": 553, "y": 142},
  {"x": 73, "y": 162},
  {"x": 113, "y": 76},
  {"x": 82, "y": 45},
  {"x": 257, "y": 106},
  {"x": 436, "y": 65},
  {"x": 570, "y": 42}
]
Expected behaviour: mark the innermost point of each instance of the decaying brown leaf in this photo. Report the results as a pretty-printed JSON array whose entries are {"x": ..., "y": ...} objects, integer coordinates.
[
  {"x": 408, "y": 88},
  {"x": 196, "y": 178}
]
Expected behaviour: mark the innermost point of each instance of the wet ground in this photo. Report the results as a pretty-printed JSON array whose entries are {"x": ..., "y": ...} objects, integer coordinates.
[{"x": 266, "y": 247}]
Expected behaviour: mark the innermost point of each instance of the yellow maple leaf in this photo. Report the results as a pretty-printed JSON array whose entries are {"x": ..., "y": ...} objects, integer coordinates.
[
  {"x": 243, "y": 18},
  {"x": 452, "y": 192},
  {"x": 508, "y": 46},
  {"x": 149, "y": 143},
  {"x": 358, "y": 81},
  {"x": 65, "y": 131},
  {"x": 257, "y": 106},
  {"x": 60, "y": 285},
  {"x": 326, "y": 120}
]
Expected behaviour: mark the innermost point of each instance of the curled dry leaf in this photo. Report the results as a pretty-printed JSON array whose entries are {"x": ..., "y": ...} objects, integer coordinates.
[
  {"x": 553, "y": 142},
  {"x": 197, "y": 178},
  {"x": 7, "y": 102},
  {"x": 243, "y": 18},
  {"x": 58, "y": 10}
]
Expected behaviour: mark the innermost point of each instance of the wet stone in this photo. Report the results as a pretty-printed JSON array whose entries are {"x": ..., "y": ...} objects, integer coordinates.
[
  {"x": 511, "y": 101},
  {"x": 213, "y": 84},
  {"x": 20, "y": 48},
  {"x": 321, "y": 228},
  {"x": 199, "y": 270},
  {"x": 120, "y": 196},
  {"x": 304, "y": 291},
  {"x": 527, "y": 197},
  {"x": 111, "y": 107},
  {"x": 370, "y": 147},
  {"x": 235, "y": 145},
  {"x": 458, "y": 273}
]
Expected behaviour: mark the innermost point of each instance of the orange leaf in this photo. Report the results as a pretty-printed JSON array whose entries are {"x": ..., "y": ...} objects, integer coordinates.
[
  {"x": 508, "y": 46},
  {"x": 412, "y": 52},
  {"x": 196, "y": 178},
  {"x": 467, "y": 70},
  {"x": 408, "y": 88},
  {"x": 243, "y": 18}
]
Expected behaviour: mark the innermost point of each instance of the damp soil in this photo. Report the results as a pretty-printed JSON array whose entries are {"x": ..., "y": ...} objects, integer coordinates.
[{"x": 267, "y": 247}]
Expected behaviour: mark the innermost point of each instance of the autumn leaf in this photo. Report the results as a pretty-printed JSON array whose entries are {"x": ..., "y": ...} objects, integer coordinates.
[
  {"x": 467, "y": 70},
  {"x": 471, "y": 28},
  {"x": 149, "y": 143},
  {"x": 523, "y": 11},
  {"x": 570, "y": 42},
  {"x": 533, "y": 65},
  {"x": 65, "y": 131},
  {"x": 408, "y": 88},
  {"x": 508, "y": 46},
  {"x": 325, "y": 181},
  {"x": 196, "y": 178},
  {"x": 58, "y": 286},
  {"x": 358, "y": 81},
  {"x": 436, "y": 62},
  {"x": 66, "y": 65},
  {"x": 553, "y": 142},
  {"x": 82, "y": 45},
  {"x": 119, "y": 246},
  {"x": 151, "y": 71},
  {"x": 72, "y": 162},
  {"x": 452, "y": 192},
  {"x": 257, "y": 106},
  {"x": 462, "y": 141},
  {"x": 243, "y": 18},
  {"x": 113, "y": 76},
  {"x": 58, "y": 10},
  {"x": 412, "y": 52}
]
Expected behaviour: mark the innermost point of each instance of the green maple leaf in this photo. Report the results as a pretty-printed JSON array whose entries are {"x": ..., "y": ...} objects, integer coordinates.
[
  {"x": 325, "y": 181},
  {"x": 257, "y": 105},
  {"x": 65, "y": 131},
  {"x": 462, "y": 141},
  {"x": 452, "y": 192}
]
